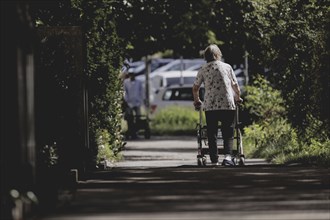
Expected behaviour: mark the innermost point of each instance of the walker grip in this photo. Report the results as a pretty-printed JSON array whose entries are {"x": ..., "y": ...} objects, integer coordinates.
[{"x": 198, "y": 105}]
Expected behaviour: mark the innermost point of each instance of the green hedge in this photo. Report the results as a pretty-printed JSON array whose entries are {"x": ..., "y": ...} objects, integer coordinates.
[{"x": 104, "y": 58}]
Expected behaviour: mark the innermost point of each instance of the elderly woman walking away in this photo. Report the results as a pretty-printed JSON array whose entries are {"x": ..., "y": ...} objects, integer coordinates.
[{"x": 221, "y": 94}]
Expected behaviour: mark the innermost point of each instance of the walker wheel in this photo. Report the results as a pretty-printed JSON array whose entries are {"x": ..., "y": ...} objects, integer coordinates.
[
  {"x": 204, "y": 161},
  {"x": 242, "y": 161},
  {"x": 201, "y": 161},
  {"x": 147, "y": 133}
]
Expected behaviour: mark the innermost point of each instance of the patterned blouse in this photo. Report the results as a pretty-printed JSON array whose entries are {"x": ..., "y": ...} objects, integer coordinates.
[{"x": 218, "y": 78}]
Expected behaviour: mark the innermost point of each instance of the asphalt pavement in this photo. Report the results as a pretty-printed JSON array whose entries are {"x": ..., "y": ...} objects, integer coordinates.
[{"x": 159, "y": 179}]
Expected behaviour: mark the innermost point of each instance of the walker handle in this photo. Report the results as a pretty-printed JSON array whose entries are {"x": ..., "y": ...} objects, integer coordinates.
[
  {"x": 240, "y": 101},
  {"x": 198, "y": 106}
]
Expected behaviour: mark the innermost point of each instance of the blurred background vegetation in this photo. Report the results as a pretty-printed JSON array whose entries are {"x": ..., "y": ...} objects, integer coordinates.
[
  {"x": 175, "y": 120},
  {"x": 287, "y": 43}
]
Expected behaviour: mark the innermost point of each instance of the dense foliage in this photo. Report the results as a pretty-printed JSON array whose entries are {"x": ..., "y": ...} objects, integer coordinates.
[
  {"x": 291, "y": 38},
  {"x": 103, "y": 57},
  {"x": 185, "y": 27},
  {"x": 273, "y": 137}
]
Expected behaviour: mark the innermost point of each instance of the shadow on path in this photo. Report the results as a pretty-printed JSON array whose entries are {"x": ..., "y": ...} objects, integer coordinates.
[
  {"x": 158, "y": 179},
  {"x": 192, "y": 189}
]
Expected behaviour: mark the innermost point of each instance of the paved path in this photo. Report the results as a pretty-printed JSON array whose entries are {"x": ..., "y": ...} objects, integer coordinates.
[
  {"x": 165, "y": 152},
  {"x": 159, "y": 180}
]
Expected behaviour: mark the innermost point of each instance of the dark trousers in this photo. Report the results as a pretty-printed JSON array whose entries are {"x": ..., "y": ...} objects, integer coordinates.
[
  {"x": 226, "y": 117},
  {"x": 131, "y": 115}
]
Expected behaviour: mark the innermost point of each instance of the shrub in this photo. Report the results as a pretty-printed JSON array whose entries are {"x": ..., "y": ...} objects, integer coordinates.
[
  {"x": 272, "y": 136},
  {"x": 314, "y": 145},
  {"x": 315, "y": 153},
  {"x": 107, "y": 149},
  {"x": 272, "y": 140},
  {"x": 263, "y": 102}
]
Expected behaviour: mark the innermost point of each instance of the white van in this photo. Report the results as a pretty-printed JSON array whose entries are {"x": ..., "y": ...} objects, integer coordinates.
[
  {"x": 175, "y": 65},
  {"x": 179, "y": 64},
  {"x": 165, "y": 79}
]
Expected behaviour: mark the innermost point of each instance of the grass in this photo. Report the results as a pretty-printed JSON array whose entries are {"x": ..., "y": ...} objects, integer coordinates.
[{"x": 175, "y": 120}]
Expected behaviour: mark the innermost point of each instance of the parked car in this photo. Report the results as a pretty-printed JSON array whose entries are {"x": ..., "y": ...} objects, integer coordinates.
[
  {"x": 165, "y": 79},
  {"x": 238, "y": 71},
  {"x": 179, "y": 64},
  {"x": 175, "y": 65},
  {"x": 139, "y": 67},
  {"x": 195, "y": 67},
  {"x": 174, "y": 95}
]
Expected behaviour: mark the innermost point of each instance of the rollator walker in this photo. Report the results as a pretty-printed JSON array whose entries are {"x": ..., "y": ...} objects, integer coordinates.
[{"x": 203, "y": 150}]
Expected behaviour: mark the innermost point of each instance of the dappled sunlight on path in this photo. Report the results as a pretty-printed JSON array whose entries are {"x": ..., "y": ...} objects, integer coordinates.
[{"x": 160, "y": 179}]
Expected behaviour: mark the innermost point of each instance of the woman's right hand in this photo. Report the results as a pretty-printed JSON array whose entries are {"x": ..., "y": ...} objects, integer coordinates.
[
  {"x": 238, "y": 100},
  {"x": 197, "y": 104}
]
